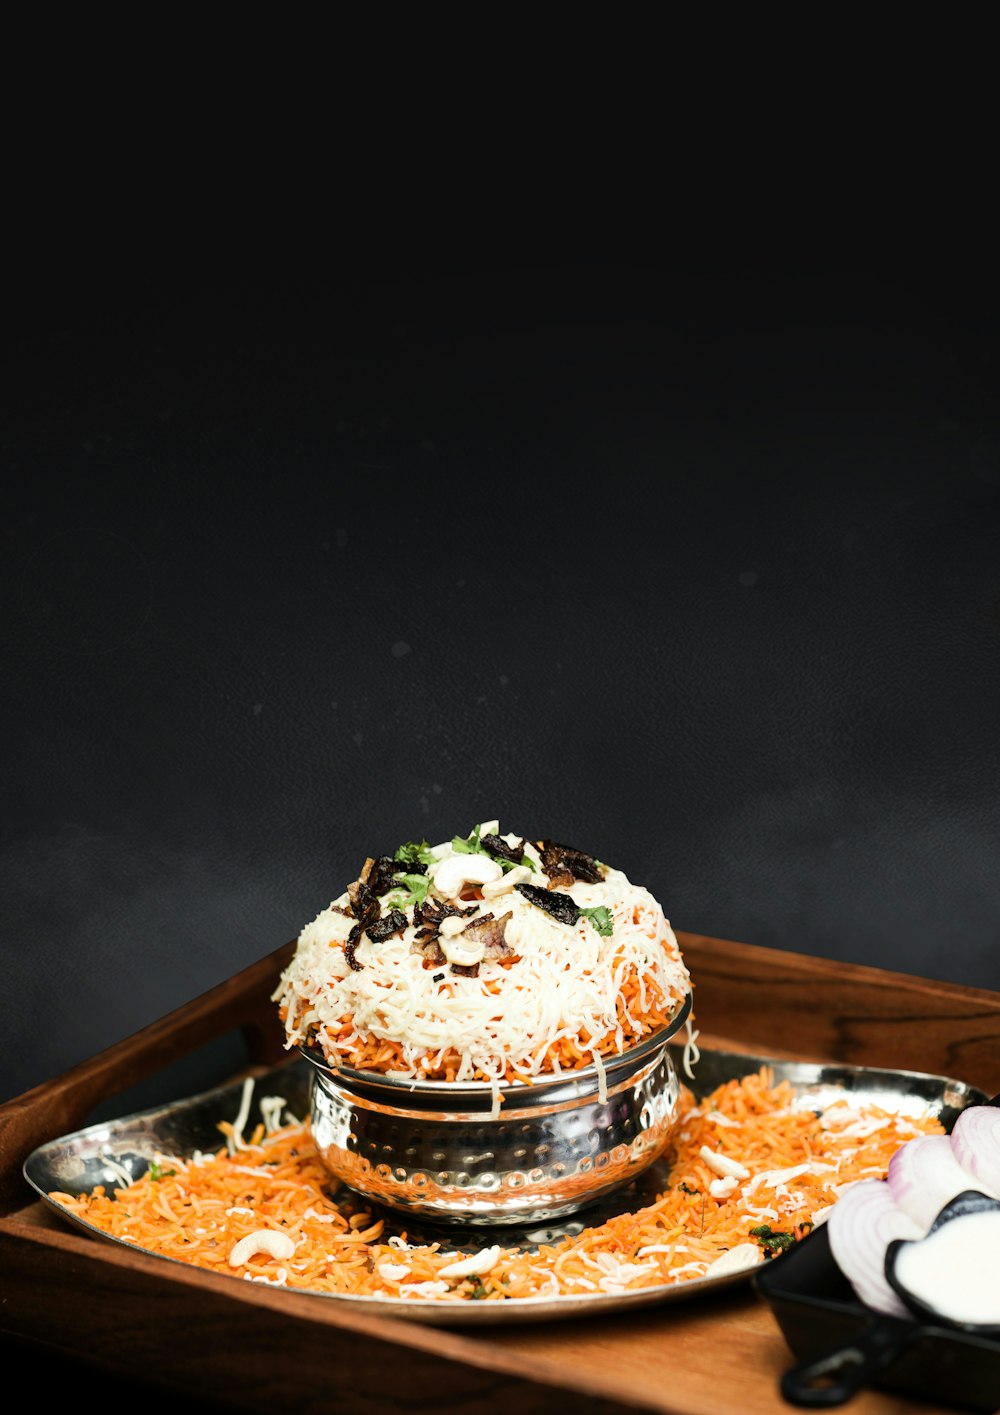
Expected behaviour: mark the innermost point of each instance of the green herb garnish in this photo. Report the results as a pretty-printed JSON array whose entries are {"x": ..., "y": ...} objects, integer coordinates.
[
  {"x": 415, "y": 852},
  {"x": 407, "y": 889},
  {"x": 600, "y": 917},
  {"x": 157, "y": 1171},
  {"x": 469, "y": 846},
  {"x": 770, "y": 1241},
  {"x": 472, "y": 845},
  {"x": 418, "y": 885},
  {"x": 685, "y": 1188}
]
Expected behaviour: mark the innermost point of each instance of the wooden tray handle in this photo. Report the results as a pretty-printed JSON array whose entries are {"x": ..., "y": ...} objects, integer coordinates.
[{"x": 62, "y": 1105}]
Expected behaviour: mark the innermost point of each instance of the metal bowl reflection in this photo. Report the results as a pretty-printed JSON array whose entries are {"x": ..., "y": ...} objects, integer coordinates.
[{"x": 434, "y": 1148}]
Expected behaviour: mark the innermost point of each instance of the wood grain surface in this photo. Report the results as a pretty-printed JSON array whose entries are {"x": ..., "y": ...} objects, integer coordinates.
[
  {"x": 271, "y": 1351},
  {"x": 241, "y": 1344},
  {"x": 780, "y": 1003}
]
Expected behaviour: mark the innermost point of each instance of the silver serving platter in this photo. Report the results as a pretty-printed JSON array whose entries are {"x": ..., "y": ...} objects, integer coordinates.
[{"x": 76, "y": 1163}]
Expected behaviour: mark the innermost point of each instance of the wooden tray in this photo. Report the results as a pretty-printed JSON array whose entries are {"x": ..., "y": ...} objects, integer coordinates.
[{"x": 129, "y": 1314}]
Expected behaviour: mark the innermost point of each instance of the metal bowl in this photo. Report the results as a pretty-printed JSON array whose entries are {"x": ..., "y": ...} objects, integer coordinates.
[{"x": 433, "y": 1148}]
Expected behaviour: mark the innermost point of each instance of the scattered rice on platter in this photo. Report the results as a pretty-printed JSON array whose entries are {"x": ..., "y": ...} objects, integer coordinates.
[{"x": 749, "y": 1175}]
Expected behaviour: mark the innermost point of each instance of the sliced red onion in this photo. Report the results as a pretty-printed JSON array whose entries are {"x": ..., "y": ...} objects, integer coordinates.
[
  {"x": 975, "y": 1140},
  {"x": 924, "y": 1175},
  {"x": 863, "y": 1222}
]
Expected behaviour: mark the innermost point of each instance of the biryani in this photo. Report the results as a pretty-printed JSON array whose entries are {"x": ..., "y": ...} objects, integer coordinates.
[{"x": 489, "y": 957}]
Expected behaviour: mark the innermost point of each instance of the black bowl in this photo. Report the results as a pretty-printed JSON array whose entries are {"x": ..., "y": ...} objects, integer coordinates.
[
  {"x": 842, "y": 1345},
  {"x": 970, "y": 1201}
]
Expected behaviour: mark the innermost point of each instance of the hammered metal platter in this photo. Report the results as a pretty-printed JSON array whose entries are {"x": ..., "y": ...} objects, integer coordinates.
[{"x": 98, "y": 1154}]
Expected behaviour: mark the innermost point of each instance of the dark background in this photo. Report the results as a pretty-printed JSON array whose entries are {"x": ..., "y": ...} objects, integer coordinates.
[
  {"x": 687, "y": 559},
  {"x": 686, "y": 552}
]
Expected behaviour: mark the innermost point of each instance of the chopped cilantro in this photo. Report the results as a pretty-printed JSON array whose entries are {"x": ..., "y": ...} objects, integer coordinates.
[
  {"x": 506, "y": 865},
  {"x": 472, "y": 845},
  {"x": 415, "y": 852},
  {"x": 407, "y": 889},
  {"x": 685, "y": 1188},
  {"x": 507, "y": 856},
  {"x": 469, "y": 846},
  {"x": 600, "y": 917},
  {"x": 157, "y": 1171},
  {"x": 770, "y": 1241},
  {"x": 418, "y": 885}
]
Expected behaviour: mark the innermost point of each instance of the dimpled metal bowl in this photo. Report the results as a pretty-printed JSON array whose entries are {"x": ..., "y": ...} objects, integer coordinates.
[{"x": 433, "y": 1148}]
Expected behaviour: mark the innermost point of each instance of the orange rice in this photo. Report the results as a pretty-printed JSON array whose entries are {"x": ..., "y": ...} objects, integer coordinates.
[
  {"x": 638, "y": 1020},
  {"x": 199, "y": 1208}
]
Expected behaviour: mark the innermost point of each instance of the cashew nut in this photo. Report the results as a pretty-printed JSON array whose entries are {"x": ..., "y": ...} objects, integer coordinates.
[
  {"x": 393, "y": 1272},
  {"x": 520, "y": 874},
  {"x": 475, "y": 1266},
  {"x": 456, "y": 871},
  {"x": 461, "y": 950},
  {"x": 735, "y": 1260},
  {"x": 723, "y": 1165},
  {"x": 723, "y": 1188},
  {"x": 265, "y": 1240}
]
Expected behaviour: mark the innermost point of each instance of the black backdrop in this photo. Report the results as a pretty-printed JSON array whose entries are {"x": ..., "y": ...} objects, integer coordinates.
[{"x": 693, "y": 564}]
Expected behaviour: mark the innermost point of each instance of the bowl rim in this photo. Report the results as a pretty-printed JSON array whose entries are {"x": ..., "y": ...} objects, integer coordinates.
[{"x": 586, "y": 1078}]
